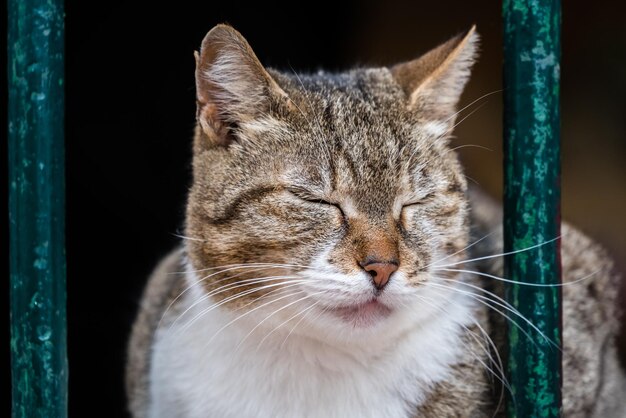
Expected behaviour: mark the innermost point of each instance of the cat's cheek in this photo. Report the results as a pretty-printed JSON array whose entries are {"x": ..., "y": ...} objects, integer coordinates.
[
  {"x": 414, "y": 255},
  {"x": 324, "y": 223},
  {"x": 297, "y": 231},
  {"x": 419, "y": 239},
  {"x": 407, "y": 215},
  {"x": 414, "y": 218},
  {"x": 449, "y": 217}
]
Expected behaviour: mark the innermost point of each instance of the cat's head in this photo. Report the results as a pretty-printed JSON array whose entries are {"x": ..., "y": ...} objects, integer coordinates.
[{"x": 326, "y": 196}]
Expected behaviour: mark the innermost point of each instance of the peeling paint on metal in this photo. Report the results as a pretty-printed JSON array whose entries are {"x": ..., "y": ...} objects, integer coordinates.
[
  {"x": 532, "y": 201},
  {"x": 36, "y": 208}
]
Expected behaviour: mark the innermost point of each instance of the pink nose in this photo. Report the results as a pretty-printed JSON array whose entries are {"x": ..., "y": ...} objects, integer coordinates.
[{"x": 380, "y": 272}]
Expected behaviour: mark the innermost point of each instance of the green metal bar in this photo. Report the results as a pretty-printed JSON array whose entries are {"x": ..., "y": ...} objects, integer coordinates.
[
  {"x": 532, "y": 201},
  {"x": 36, "y": 207}
]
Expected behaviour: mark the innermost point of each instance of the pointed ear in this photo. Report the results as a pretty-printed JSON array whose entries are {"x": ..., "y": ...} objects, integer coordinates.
[
  {"x": 433, "y": 83},
  {"x": 232, "y": 87}
]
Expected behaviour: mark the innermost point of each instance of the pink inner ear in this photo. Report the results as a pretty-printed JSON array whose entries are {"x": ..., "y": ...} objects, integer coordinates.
[{"x": 212, "y": 126}]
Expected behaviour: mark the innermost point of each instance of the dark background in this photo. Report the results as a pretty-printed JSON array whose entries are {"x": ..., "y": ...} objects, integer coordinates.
[{"x": 131, "y": 111}]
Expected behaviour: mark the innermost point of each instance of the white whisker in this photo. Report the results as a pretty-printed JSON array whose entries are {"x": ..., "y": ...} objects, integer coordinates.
[
  {"x": 231, "y": 286},
  {"x": 245, "y": 314},
  {"x": 272, "y": 314},
  {"x": 285, "y": 322},
  {"x": 244, "y": 265},
  {"x": 470, "y": 146},
  {"x": 487, "y": 302},
  {"x": 298, "y": 323},
  {"x": 199, "y": 282},
  {"x": 474, "y": 101},
  {"x": 189, "y": 238},
  {"x": 502, "y": 279},
  {"x": 487, "y": 257},
  {"x": 237, "y": 296},
  {"x": 501, "y": 376},
  {"x": 460, "y": 251}
]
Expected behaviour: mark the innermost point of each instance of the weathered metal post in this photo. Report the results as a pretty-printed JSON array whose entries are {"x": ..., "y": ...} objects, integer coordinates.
[
  {"x": 532, "y": 201},
  {"x": 36, "y": 207}
]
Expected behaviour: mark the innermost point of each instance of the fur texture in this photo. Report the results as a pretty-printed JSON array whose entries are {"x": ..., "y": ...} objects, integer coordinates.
[{"x": 301, "y": 183}]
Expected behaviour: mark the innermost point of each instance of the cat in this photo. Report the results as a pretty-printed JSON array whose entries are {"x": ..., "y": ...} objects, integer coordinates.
[{"x": 308, "y": 280}]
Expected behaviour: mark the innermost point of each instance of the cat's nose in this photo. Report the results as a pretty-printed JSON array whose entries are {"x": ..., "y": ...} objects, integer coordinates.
[{"x": 380, "y": 272}]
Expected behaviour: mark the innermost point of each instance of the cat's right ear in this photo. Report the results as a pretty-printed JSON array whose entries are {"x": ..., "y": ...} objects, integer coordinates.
[{"x": 232, "y": 87}]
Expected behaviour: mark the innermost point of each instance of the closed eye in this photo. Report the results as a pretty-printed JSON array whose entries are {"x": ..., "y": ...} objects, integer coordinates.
[
  {"x": 421, "y": 201},
  {"x": 307, "y": 196}
]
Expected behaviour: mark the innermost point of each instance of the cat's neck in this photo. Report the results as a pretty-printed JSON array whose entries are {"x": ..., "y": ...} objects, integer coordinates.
[{"x": 356, "y": 378}]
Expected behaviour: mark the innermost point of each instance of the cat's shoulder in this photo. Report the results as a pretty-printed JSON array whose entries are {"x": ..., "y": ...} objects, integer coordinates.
[{"x": 164, "y": 284}]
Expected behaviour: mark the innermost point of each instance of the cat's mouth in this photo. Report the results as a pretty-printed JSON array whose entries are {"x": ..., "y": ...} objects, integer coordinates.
[{"x": 363, "y": 314}]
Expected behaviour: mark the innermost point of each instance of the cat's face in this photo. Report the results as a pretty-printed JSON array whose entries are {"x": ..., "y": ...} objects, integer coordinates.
[{"x": 325, "y": 198}]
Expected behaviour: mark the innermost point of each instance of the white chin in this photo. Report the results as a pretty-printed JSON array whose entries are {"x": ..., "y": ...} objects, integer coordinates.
[{"x": 363, "y": 315}]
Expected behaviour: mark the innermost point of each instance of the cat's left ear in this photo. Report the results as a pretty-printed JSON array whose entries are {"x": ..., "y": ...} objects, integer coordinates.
[{"x": 433, "y": 83}]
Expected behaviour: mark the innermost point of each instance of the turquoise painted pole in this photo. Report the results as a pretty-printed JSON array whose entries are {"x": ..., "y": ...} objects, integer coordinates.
[
  {"x": 36, "y": 208},
  {"x": 532, "y": 201}
]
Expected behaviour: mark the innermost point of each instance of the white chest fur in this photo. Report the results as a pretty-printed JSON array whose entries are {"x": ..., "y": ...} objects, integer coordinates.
[{"x": 196, "y": 375}]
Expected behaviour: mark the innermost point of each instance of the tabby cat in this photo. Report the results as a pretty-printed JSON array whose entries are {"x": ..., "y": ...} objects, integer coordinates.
[{"x": 316, "y": 277}]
